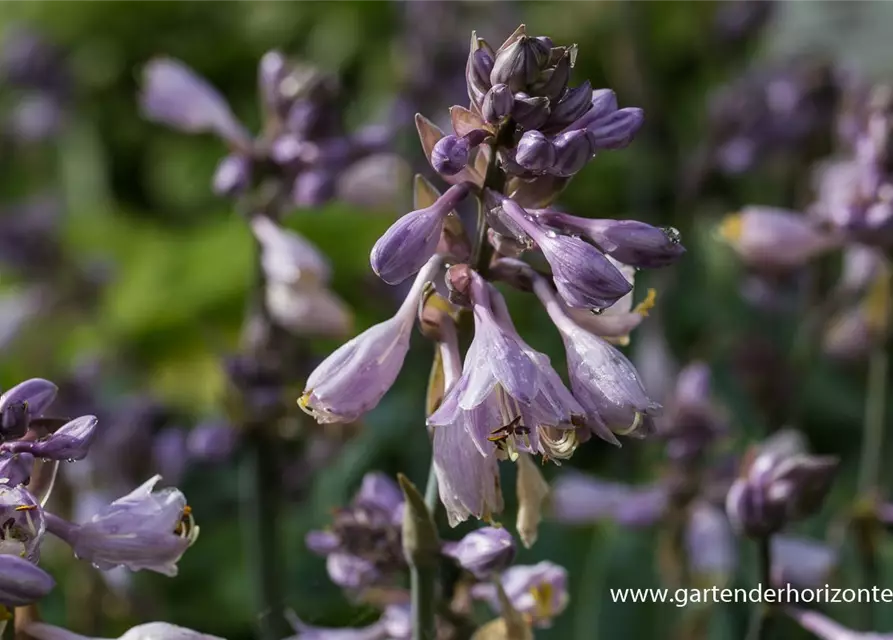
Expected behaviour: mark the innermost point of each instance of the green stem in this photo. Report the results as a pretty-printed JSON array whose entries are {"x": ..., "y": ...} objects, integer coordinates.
[
  {"x": 873, "y": 425},
  {"x": 759, "y": 620},
  {"x": 423, "y": 582}
]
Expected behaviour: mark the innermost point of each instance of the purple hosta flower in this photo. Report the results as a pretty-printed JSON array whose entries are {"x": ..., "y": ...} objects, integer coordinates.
[
  {"x": 824, "y": 628},
  {"x": 497, "y": 104},
  {"x": 584, "y": 276},
  {"x": 692, "y": 421},
  {"x": 363, "y": 545},
  {"x": 483, "y": 552},
  {"x": 22, "y": 523},
  {"x": 603, "y": 380},
  {"x": 779, "y": 484},
  {"x": 607, "y": 126},
  {"x": 287, "y": 257},
  {"x": 394, "y": 624},
  {"x": 767, "y": 238},
  {"x": 628, "y": 241},
  {"x": 176, "y": 96},
  {"x": 145, "y": 529},
  {"x": 23, "y": 402},
  {"x": 580, "y": 499},
  {"x": 148, "y": 631},
  {"x": 232, "y": 175},
  {"x": 801, "y": 562},
  {"x": 508, "y": 396},
  {"x": 15, "y": 468},
  {"x": 21, "y": 582},
  {"x": 451, "y": 153},
  {"x": 70, "y": 442},
  {"x": 538, "y": 592},
  {"x": 356, "y": 376},
  {"x": 535, "y": 152},
  {"x": 212, "y": 441},
  {"x": 411, "y": 241},
  {"x": 710, "y": 543},
  {"x": 467, "y": 479}
]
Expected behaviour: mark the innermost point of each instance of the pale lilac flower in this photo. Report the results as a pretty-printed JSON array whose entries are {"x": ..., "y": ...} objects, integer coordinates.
[
  {"x": 287, "y": 257},
  {"x": 411, "y": 241},
  {"x": 356, "y": 376},
  {"x": 802, "y": 562},
  {"x": 602, "y": 379},
  {"x": 21, "y": 582},
  {"x": 579, "y": 499},
  {"x": 22, "y": 523},
  {"x": 538, "y": 592},
  {"x": 710, "y": 543},
  {"x": 26, "y": 400},
  {"x": 772, "y": 238},
  {"x": 394, "y": 624},
  {"x": 825, "y": 628},
  {"x": 148, "y": 631},
  {"x": 483, "y": 552},
  {"x": 70, "y": 442},
  {"x": 583, "y": 275},
  {"x": 142, "y": 530},
  {"x": 174, "y": 95},
  {"x": 16, "y": 468}
]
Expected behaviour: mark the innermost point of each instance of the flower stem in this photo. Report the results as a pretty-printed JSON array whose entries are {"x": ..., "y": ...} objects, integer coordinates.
[
  {"x": 873, "y": 424},
  {"x": 758, "y": 628},
  {"x": 423, "y": 585}
]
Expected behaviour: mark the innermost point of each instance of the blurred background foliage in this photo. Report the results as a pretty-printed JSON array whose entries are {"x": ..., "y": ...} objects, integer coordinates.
[{"x": 169, "y": 265}]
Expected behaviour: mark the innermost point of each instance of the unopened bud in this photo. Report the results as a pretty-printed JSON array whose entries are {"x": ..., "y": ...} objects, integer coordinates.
[
  {"x": 458, "y": 280},
  {"x": 530, "y": 112},
  {"x": 498, "y": 103},
  {"x": 518, "y": 65},
  {"x": 535, "y": 152},
  {"x": 572, "y": 151}
]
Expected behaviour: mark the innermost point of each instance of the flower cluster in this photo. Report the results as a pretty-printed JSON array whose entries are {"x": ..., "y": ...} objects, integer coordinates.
[
  {"x": 145, "y": 529},
  {"x": 524, "y": 134}
]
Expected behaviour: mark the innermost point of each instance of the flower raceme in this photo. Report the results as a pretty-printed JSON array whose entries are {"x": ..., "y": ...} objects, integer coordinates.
[{"x": 356, "y": 376}]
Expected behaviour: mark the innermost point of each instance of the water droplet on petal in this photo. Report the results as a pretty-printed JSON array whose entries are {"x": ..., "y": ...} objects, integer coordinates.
[
  {"x": 672, "y": 234},
  {"x": 551, "y": 233}
]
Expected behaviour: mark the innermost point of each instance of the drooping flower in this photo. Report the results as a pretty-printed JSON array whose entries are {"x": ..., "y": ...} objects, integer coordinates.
[
  {"x": 483, "y": 552},
  {"x": 538, "y": 592},
  {"x": 15, "y": 468},
  {"x": 148, "y": 631},
  {"x": 580, "y": 499},
  {"x": 70, "y": 442},
  {"x": 602, "y": 379},
  {"x": 583, "y": 275},
  {"x": 22, "y": 523},
  {"x": 21, "y": 582},
  {"x": 142, "y": 530},
  {"x": 26, "y": 400},
  {"x": 356, "y": 376},
  {"x": 394, "y": 624}
]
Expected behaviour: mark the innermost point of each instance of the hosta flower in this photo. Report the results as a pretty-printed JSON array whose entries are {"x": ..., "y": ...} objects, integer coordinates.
[
  {"x": 70, "y": 442},
  {"x": 363, "y": 545},
  {"x": 288, "y": 258},
  {"x": 538, "y": 592},
  {"x": 356, "y": 376},
  {"x": 22, "y": 523},
  {"x": 15, "y": 468},
  {"x": 411, "y": 241},
  {"x": 26, "y": 400},
  {"x": 148, "y": 631},
  {"x": 629, "y": 241},
  {"x": 483, "y": 552},
  {"x": 145, "y": 529},
  {"x": 602, "y": 379},
  {"x": 779, "y": 485},
  {"x": 802, "y": 562},
  {"x": 22, "y": 582},
  {"x": 395, "y": 624},
  {"x": 583, "y": 275},
  {"x": 580, "y": 499},
  {"x": 508, "y": 396},
  {"x": 770, "y": 238}
]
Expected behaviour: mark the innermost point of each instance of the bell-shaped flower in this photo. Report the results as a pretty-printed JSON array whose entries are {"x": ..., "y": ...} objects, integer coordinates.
[
  {"x": 15, "y": 468},
  {"x": 780, "y": 484},
  {"x": 356, "y": 376},
  {"x": 508, "y": 397},
  {"x": 483, "y": 552},
  {"x": 21, "y": 582},
  {"x": 26, "y": 400},
  {"x": 692, "y": 421},
  {"x": 579, "y": 499},
  {"x": 145, "y": 529},
  {"x": 288, "y": 258},
  {"x": 308, "y": 311},
  {"x": 775, "y": 239},
  {"x": 602, "y": 379},
  {"x": 173, "y": 94},
  {"x": 70, "y": 442},
  {"x": 539, "y": 592},
  {"x": 411, "y": 241},
  {"x": 148, "y": 631},
  {"x": 631, "y": 242},
  {"x": 22, "y": 523},
  {"x": 583, "y": 275}
]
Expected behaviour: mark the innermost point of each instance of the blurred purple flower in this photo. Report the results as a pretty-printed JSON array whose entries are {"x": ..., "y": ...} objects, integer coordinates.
[
  {"x": 21, "y": 582},
  {"x": 580, "y": 499},
  {"x": 483, "y": 552},
  {"x": 22, "y": 523},
  {"x": 539, "y": 592},
  {"x": 69, "y": 442}
]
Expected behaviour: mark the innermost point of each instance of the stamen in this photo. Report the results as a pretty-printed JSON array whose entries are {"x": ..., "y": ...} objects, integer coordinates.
[{"x": 26, "y": 507}]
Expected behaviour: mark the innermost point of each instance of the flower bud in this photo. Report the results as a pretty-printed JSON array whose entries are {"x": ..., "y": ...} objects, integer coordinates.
[
  {"x": 602, "y": 103},
  {"x": 530, "y": 112},
  {"x": 313, "y": 188},
  {"x": 21, "y": 582},
  {"x": 483, "y": 552},
  {"x": 70, "y": 442},
  {"x": 571, "y": 105},
  {"x": 16, "y": 468},
  {"x": 573, "y": 151},
  {"x": 477, "y": 71},
  {"x": 552, "y": 82},
  {"x": 779, "y": 486},
  {"x": 616, "y": 130},
  {"x": 535, "y": 152},
  {"x": 413, "y": 239},
  {"x": 498, "y": 103},
  {"x": 233, "y": 175},
  {"x": 458, "y": 281},
  {"x": 518, "y": 65},
  {"x": 26, "y": 400},
  {"x": 450, "y": 154}
]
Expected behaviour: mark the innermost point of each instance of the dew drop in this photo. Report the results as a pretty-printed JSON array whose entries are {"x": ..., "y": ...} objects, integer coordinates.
[
  {"x": 672, "y": 234},
  {"x": 551, "y": 233}
]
